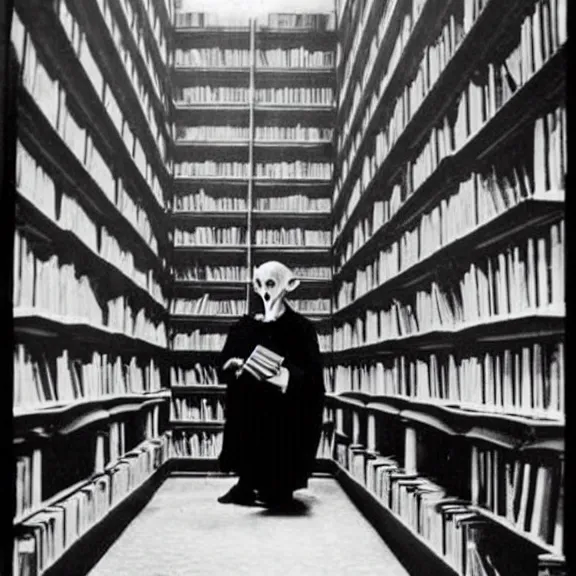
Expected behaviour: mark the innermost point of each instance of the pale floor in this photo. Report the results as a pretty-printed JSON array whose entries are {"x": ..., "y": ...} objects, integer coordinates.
[{"x": 183, "y": 531}]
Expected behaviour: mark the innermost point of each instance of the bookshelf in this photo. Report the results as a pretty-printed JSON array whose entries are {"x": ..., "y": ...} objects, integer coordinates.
[
  {"x": 253, "y": 114},
  {"x": 408, "y": 162},
  {"x": 90, "y": 277},
  {"x": 447, "y": 370}
]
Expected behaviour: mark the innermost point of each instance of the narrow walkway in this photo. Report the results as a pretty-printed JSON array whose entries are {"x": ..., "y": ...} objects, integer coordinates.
[{"x": 183, "y": 531}]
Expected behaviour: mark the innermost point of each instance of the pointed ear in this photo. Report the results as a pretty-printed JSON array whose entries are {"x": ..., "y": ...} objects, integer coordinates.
[{"x": 292, "y": 284}]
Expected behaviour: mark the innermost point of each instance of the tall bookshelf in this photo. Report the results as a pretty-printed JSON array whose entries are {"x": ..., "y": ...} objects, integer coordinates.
[
  {"x": 90, "y": 276},
  {"x": 448, "y": 312},
  {"x": 253, "y": 110}
]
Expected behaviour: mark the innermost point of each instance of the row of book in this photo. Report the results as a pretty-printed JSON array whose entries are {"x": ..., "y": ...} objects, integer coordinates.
[
  {"x": 297, "y": 169},
  {"x": 154, "y": 114},
  {"x": 287, "y": 95},
  {"x": 207, "y": 235},
  {"x": 295, "y": 58},
  {"x": 295, "y": 96},
  {"x": 200, "y": 341},
  {"x": 199, "y": 374},
  {"x": 205, "y": 306},
  {"x": 305, "y": 305},
  {"x": 319, "y": 22},
  {"x": 293, "y": 237},
  {"x": 526, "y": 276},
  {"x": 46, "y": 536},
  {"x": 293, "y": 203},
  {"x": 54, "y": 288},
  {"x": 211, "y": 94},
  {"x": 211, "y": 57},
  {"x": 455, "y": 529},
  {"x": 526, "y": 380},
  {"x": 42, "y": 379},
  {"x": 211, "y": 169},
  {"x": 188, "y": 444},
  {"x": 197, "y": 272},
  {"x": 296, "y": 133},
  {"x": 483, "y": 297},
  {"x": 202, "y": 202},
  {"x": 136, "y": 215},
  {"x": 195, "y": 409},
  {"x": 216, "y": 133},
  {"x": 528, "y": 494},
  {"x": 186, "y": 17},
  {"x": 490, "y": 192}
]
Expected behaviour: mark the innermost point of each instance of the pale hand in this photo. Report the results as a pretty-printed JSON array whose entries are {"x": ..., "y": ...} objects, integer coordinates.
[
  {"x": 236, "y": 363},
  {"x": 280, "y": 379}
]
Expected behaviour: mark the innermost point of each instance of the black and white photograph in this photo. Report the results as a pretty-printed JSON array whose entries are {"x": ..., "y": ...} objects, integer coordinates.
[{"x": 285, "y": 291}]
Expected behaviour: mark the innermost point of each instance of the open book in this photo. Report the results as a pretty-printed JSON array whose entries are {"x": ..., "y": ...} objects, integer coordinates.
[{"x": 263, "y": 363}]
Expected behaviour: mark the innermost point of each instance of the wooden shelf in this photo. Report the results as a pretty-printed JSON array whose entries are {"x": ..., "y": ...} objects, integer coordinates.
[
  {"x": 198, "y": 113},
  {"x": 38, "y": 323},
  {"x": 547, "y": 83},
  {"x": 266, "y": 35},
  {"x": 67, "y": 244},
  {"x": 531, "y": 325},
  {"x": 527, "y": 216},
  {"x": 211, "y": 218},
  {"x": 194, "y": 74},
  {"x": 210, "y": 248},
  {"x": 55, "y": 46},
  {"x": 65, "y": 419},
  {"x": 210, "y": 180},
  {"x": 506, "y": 430},
  {"x": 209, "y": 285},
  {"x": 190, "y": 145},
  {"x": 204, "y": 425},
  {"x": 198, "y": 390},
  {"x": 280, "y": 216}
]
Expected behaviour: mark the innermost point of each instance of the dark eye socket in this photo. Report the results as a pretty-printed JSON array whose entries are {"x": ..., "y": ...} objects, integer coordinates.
[
  {"x": 258, "y": 283},
  {"x": 270, "y": 283}
]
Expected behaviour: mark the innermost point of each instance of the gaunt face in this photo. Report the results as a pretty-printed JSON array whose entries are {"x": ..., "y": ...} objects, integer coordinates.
[{"x": 272, "y": 281}]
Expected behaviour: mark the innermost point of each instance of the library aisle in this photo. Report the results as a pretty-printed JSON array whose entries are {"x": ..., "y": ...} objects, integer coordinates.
[{"x": 183, "y": 531}]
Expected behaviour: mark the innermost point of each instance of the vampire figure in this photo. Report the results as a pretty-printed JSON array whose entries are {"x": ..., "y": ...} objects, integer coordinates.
[{"x": 273, "y": 423}]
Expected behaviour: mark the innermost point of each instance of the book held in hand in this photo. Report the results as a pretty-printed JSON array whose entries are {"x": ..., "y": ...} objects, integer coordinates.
[{"x": 263, "y": 363}]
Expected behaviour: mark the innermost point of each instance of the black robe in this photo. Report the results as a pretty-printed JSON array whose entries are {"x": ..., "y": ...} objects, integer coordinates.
[{"x": 271, "y": 437}]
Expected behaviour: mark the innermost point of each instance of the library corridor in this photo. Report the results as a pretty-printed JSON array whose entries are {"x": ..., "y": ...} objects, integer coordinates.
[{"x": 183, "y": 531}]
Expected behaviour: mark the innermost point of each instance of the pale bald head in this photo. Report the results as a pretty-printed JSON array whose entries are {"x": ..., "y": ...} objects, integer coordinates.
[{"x": 272, "y": 281}]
